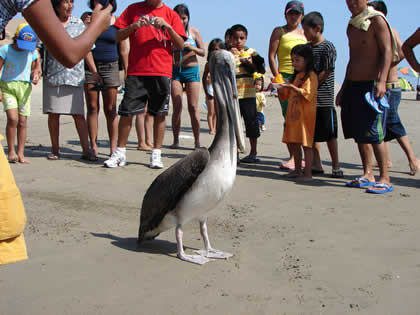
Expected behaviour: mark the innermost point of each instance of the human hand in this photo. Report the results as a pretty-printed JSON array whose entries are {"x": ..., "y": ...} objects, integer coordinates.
[
  {"x": 234, "y": 51},
  {"x": 380, "y": 90},
  {"x": 338, "y": 98},
  {"x": 101, "y": 18},
  {"x": 35, "y": 76},
  {"x": 159, "y": 22},
  {"x": 97, "y": 78}
]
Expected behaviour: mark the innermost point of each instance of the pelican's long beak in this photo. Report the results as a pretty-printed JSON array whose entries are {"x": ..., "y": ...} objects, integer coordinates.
[{"x": 222, "y": 69}]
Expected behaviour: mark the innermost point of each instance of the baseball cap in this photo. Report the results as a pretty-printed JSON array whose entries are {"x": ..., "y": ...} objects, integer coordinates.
[
  {"x": 295, "y": 6},
  {"x": 25, "y": 37}
]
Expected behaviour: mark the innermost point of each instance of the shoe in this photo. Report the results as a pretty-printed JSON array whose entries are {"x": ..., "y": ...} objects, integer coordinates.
[
  {"x": 117, "y": 159},
  {"x": 155, "y": 159},
  {"x": 250, "y": 159},
  {"x": 386, "y": 188},
  {"x": 359, "y": 182}
]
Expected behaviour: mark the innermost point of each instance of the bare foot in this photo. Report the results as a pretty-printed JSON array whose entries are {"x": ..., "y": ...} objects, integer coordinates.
[
  {"x": 212, "y": 132},
  {"x": 22, "y": 160},
  {"x": 414, "y": 168},
  {"x": 144, "y": 148},
  {"x": 12, "y": 157}
]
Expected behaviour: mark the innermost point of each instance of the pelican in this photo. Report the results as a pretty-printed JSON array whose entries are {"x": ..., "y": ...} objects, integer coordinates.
[{"x": 197, "y": 183}]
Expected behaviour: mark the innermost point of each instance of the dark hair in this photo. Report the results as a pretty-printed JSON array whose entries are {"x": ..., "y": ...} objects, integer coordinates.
[
  {"x": 85, "y": 14},
  {"x": 262, "y": 82},
  {"x": 305, "y": 51},
  {"x": 91, "y": 5},
  {"x": 228, "y": 32},
  {"x": 314, "y": 19},
  {"x": 212, "y": 45},
  {"x": 379, "y": 6},
  {"x": 183, "y": 9},
  {"x": 238, "y": 28}
]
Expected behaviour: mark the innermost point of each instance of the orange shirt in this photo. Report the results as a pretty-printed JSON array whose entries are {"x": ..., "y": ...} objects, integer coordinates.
[{"x": 301, "y": 110}]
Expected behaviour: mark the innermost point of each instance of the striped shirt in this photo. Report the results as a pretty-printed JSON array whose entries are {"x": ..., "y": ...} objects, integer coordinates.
[
  {"x": 9, "y": 8},
  {"x": 244, "y": 79},
  {"x": 324, "y": 60}
]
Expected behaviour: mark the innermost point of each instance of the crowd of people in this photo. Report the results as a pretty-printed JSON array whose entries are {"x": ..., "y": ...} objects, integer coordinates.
[{"x": 158, "y": 50}]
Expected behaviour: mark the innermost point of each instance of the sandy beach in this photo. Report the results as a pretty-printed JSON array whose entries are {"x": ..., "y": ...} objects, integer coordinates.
[{"x": 318, "y": 248}]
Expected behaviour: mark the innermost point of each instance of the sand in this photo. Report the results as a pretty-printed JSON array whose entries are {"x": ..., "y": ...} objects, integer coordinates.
[{"x": 317, "y": 248}]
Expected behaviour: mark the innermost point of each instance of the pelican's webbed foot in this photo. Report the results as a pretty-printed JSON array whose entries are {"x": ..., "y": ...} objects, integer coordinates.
[
  {"x": 195, "y": 259},
  {"x": 214, "y": 253}
]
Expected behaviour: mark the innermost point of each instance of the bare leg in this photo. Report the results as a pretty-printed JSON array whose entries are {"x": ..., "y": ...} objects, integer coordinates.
[
  {"x": 176, "y": 93},
  {"x": 159, "y": 125},
  {"x": 211, "y": 115},
  {"x": 92, "y": 102},
  {"x": 253, "y": 142},
  {"x": 297, "y": 153},
  {"x": 333, "y": 148},
  {"x": 148, "y": 126},
  {"x": 141, "y": 132},
  {"x": 81, "y": 127},
  {"x": 193, "y": 92},
  {"x": 308, "y": 159},
  {"x": 365, "y": 151},
  {"x": 11, "y": 126},
  {"x": 317, "y": 164},
  {"x": 380, "y": 156},
  {"x": 54, "y": 128},
  {"x": 124, "y": 128},
  {"x": 109, "y": 97},
  {"x": 21, "y": 135},
  {"x": 414, "y": 163},
  {"x": 195, "y": 259}
]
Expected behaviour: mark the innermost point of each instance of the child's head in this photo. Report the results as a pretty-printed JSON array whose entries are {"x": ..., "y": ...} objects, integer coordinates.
[
  {"x": 86, "y": 17},
  {"x": 259, "y": 83},
  {"x": 228, "y": 35},
  {"x": 302, "y": 58},
  {"x": 214, "y": 45},
  {"x": 239, "y": 35},
  {"x": 313, "y": 25},
  {"x": 93, "y": 3},
  {"x": 184, "y": 14},
  {"x": 25, "y": 37},
  {"x": 379, "y": 6},
  {"x": 356, "y": 6}
]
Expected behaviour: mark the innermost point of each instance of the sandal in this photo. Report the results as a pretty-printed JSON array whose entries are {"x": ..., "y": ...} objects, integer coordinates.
[
  {"x": 337, "y": 173},
  {"x": 90, "y": 156},
  {"x": 250, "y": 159},
  {"x": 53, "y": 156}
]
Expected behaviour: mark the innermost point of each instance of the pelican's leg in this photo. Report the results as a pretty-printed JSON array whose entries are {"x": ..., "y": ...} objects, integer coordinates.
[
  {"x": 209, "y": 251},
  {"x": 195, "y": 259}
]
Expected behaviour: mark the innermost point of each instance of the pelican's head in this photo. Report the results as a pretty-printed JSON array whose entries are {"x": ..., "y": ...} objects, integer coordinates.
[{"x": 222, "y": 70}]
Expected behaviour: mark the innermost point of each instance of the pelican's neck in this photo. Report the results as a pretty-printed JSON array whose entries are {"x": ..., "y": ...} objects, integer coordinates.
[{"x": 225, "y": 134}]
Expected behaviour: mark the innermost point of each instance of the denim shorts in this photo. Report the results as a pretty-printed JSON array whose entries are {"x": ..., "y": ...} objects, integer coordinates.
[
  {"x": 109, "y": 73},
  {"x": 394, "y": 126},
  {"x": 186, "y": 75}
]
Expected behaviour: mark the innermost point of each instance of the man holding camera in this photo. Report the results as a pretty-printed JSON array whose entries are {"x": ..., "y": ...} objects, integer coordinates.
[{"x": 152, "y": 28}]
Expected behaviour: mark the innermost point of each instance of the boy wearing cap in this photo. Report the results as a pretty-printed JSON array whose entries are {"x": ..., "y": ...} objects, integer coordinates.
[{"x": 21, "y": 68}]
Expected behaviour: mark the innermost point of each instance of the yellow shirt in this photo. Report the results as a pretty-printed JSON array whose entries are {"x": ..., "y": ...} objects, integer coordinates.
[
  {"x": 260, "y": 102},
  {"x": 286, "y": 44},
  {"x": 12, "y": 216},
  {"x": 244, "y": 79}
]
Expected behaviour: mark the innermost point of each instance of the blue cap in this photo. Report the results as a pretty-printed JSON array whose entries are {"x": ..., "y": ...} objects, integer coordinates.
[{"x": 25, "y": 37}]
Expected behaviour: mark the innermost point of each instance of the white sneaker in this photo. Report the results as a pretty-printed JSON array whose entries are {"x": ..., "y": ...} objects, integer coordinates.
[
  {"x": 155, "y": 160},
  {"x": 117, "y": 159}
]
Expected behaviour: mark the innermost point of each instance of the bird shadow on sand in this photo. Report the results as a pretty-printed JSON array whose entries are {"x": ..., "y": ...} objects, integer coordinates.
[{"x": 156, "y": 246}]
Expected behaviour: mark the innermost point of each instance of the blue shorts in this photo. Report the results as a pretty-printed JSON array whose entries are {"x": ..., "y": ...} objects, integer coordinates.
[
  {"x": 394, "y": 126},
  {"x": 359, "y": 120},
  {"x": 190, "y": 74}
]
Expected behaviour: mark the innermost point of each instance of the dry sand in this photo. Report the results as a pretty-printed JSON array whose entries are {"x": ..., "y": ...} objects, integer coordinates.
[{"x": 298, "y": 249}]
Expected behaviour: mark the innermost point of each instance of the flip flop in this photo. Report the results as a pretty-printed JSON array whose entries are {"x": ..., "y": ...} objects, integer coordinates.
[
  {"x": 250, "y": 159},
  {"x": 360, "y": 182},
  {"x": 387, "y": 187},
  {"x": 317, "y": 171}
]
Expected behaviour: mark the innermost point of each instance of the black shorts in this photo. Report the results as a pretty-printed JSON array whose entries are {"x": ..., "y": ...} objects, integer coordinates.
[
  {"x": 360, "y": 121},
  {"x": 141, "y": 90},
  {"x": 325, "y": 124},
  {"x": 248, "y": 107}
]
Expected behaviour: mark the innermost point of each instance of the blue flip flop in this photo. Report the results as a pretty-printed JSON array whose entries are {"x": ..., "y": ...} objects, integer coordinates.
[
  {"x": 360, "y": 182},
  {"x": 387, "y": 189},
  {"x": 376, "y": 103}
]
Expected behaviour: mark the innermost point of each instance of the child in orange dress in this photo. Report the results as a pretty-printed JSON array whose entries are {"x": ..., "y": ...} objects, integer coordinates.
[{"x": 301, "y": 91}]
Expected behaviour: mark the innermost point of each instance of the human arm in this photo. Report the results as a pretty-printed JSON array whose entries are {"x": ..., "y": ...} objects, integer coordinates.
[
  {"x": 68, "y": 51},
  {"x": 36, "y": 69},
  {"x": 383, "y": 40},
  {"x": 90, "y": 62},
  {"x": 272, "y": 50},
  {"x": 399, "y": 47},
  {"x": 307, "y": 89},
  {"x": 177, "y": 40},
  {"x": 407, "y": 48},
  {"x": 199, "y": 50},
  {"x": 124, "y": 51},
  {"x": 283, "y": 91}
]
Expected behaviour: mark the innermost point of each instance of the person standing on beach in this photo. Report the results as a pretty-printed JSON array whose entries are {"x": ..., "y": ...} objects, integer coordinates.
[
  {"x": 394, "y": 126},
  {"x": 408, "y": 47},
  {"x": 372, "y": 49},
  {"x": 282, "y": 41},
  {"x": 153, "y": 29}
]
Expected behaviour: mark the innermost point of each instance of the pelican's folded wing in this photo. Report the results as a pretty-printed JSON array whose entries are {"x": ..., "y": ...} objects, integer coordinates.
[{"x": 169, "y": 187}]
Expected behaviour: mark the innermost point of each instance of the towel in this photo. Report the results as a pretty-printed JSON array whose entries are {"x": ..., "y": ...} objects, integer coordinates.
[
  {"x": 362, "y": 22},
  {"x": 12, "y": 216}
]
